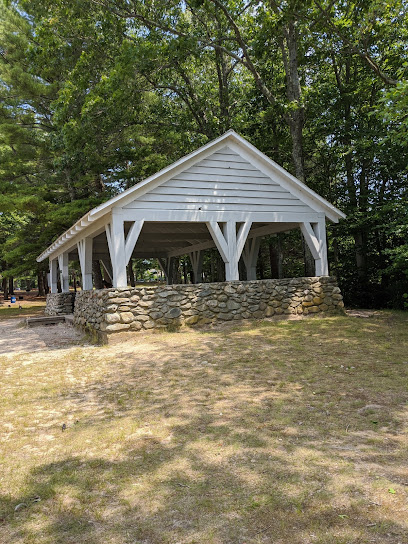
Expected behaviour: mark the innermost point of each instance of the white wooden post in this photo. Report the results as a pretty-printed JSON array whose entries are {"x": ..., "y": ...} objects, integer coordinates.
[
  {"x": 85, "y": 260},
  {"x": 196, "y": 258},
  {"x": 230, "y": 244},
  {"x": 64, "y": 275},
  {"x": 250, "y": 256},
  {"x": 120, "y": 249},
  {"x": 315, "y": 237},
  {"x": 53, "y": 275},
  {"x": 319, "y": 228}
]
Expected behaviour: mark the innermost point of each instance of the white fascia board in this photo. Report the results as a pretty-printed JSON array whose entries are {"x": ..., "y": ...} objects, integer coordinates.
[
  {"x": 65, "y": 236},
  {"x": 303, "y": 190}
]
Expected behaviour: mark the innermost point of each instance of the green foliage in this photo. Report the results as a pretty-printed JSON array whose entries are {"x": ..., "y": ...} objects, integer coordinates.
[{"x": 96, "y": 95}]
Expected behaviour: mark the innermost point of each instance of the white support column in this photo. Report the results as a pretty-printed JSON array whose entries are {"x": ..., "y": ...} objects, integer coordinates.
[
  {"x": 115, "y": 234},
  {"x": 250, "y": 256},
  {"x": 120, "y": 249},
  {"x": 53, "y": 275},
  {"x": 315, "y": 237},
  {"x": 85, "y": 260},
  {"x": 131, "y": 239},
  {"x": 322, "y": 267},
  {"x": 64, "y": 274},
  {"x": 230, "y": 244},
  {"x": 196, "y": 258},
  {"x": 231, "y": 266}
]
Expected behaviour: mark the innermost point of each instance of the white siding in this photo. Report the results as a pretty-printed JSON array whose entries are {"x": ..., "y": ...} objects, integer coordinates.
[{"x": 223, "y": 181}]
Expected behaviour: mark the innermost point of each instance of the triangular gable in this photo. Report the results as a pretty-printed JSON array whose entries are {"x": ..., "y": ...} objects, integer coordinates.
[
  {"x": 224, "y": 180},
  {"x": 244, "y": 150}
]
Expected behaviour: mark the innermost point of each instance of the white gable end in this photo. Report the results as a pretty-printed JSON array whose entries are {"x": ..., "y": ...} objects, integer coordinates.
[{"x": 222, "y": 181}]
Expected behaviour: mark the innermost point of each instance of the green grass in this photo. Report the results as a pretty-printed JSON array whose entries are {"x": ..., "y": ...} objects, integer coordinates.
[
  {"x": 271, "y": 432},
  {"x": 27, "y": 311}
]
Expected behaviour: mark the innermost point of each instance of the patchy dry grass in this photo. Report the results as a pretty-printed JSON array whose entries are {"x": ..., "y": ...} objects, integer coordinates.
[
  {"x": 31, "y": 306},
  {"x": 273, "y": 432}
]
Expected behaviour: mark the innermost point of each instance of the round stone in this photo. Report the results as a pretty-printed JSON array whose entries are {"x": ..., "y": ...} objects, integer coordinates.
[
  {"x": 173, "y": 313},
  {"x": 127, "y": 317},
  {"x": 112, "y": 318}
]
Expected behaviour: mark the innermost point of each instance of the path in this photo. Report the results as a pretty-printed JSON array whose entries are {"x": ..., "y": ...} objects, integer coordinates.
[{"x": 15, "y": 337}]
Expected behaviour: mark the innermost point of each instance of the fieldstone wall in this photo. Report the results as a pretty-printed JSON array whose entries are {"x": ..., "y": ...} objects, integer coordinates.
[
  {"x": 111, "y": 310},
  {"x": 60, "y": 303}
]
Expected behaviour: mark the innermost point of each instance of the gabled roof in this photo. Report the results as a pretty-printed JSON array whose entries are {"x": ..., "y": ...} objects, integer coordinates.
[{"x": 230, "y": 137}]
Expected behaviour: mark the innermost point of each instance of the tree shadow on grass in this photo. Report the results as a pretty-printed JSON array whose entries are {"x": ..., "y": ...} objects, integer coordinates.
[
  {"x": 143, "y": 497},
  {"x": 242, "y": 450}
]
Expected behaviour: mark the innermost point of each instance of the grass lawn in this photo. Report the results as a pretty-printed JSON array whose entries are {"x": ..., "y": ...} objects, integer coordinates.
[
  {"x": 287, "y": 432},
  {"x": 31, "y": 306}
]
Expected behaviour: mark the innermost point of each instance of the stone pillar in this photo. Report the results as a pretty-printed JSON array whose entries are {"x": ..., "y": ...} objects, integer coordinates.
[
  {"x": 53, "y": 275},
  {"x": 64, "y": 274}
]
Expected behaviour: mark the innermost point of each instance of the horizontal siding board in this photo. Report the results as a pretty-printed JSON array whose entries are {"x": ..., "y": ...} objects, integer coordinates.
[
  {"x": 218, "y": 171},
  {"x": 186, "y": 199},
  {"x": 215, "y": 178},
  {"x": 211, "y": 163},
  {"x": 208, "y": 192},
  {"x": 212, "y": 206},
  {"x": 224, "y": 186},
  {"x": 222, "y": 157}
]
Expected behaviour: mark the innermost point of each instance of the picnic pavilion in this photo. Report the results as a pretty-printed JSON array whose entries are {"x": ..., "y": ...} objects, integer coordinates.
[{"x": 226, "y": 194}]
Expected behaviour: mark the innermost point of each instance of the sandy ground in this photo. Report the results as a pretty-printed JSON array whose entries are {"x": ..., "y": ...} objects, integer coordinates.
[{"x": 16, "y": 337}]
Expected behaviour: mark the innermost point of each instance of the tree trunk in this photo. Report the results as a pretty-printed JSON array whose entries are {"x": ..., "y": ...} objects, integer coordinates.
[
  {"x": 275, "y": 258},
  {"x": 185, "y": 271},
  {"x": 261, "y": 264},
  {"x": 11, "y": 286},
  {"x": 310, "y": 266},
  {"x": 296, "y": 117},
  {"x": 40, "y": 281},
  {"x": 45, "y": 282},
  {"x": 131, "y": 273},
  {"x": 74, "y": 279},
  {"x": 5, "y": 288},
  {"x": 212, "y": 267},
  {"x": 97, "y": 274}
]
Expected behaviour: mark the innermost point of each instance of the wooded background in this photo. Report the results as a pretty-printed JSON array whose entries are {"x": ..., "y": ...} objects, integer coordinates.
[{"x": 96, "y": 95}]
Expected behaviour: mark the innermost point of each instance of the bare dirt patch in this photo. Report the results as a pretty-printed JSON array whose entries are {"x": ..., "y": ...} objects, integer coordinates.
[{"x": 16, "y": 337}]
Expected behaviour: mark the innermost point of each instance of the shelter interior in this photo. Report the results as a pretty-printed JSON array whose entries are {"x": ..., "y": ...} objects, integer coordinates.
[{"x": 166, "y": 240}]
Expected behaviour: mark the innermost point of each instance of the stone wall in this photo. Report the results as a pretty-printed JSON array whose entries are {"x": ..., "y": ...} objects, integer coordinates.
[
  {"x": 60, "y": 303},
  {"x": 111, "y": 310}
]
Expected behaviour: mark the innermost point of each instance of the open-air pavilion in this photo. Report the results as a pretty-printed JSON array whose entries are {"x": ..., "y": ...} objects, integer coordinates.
[{"x": 226, "y": 194}]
